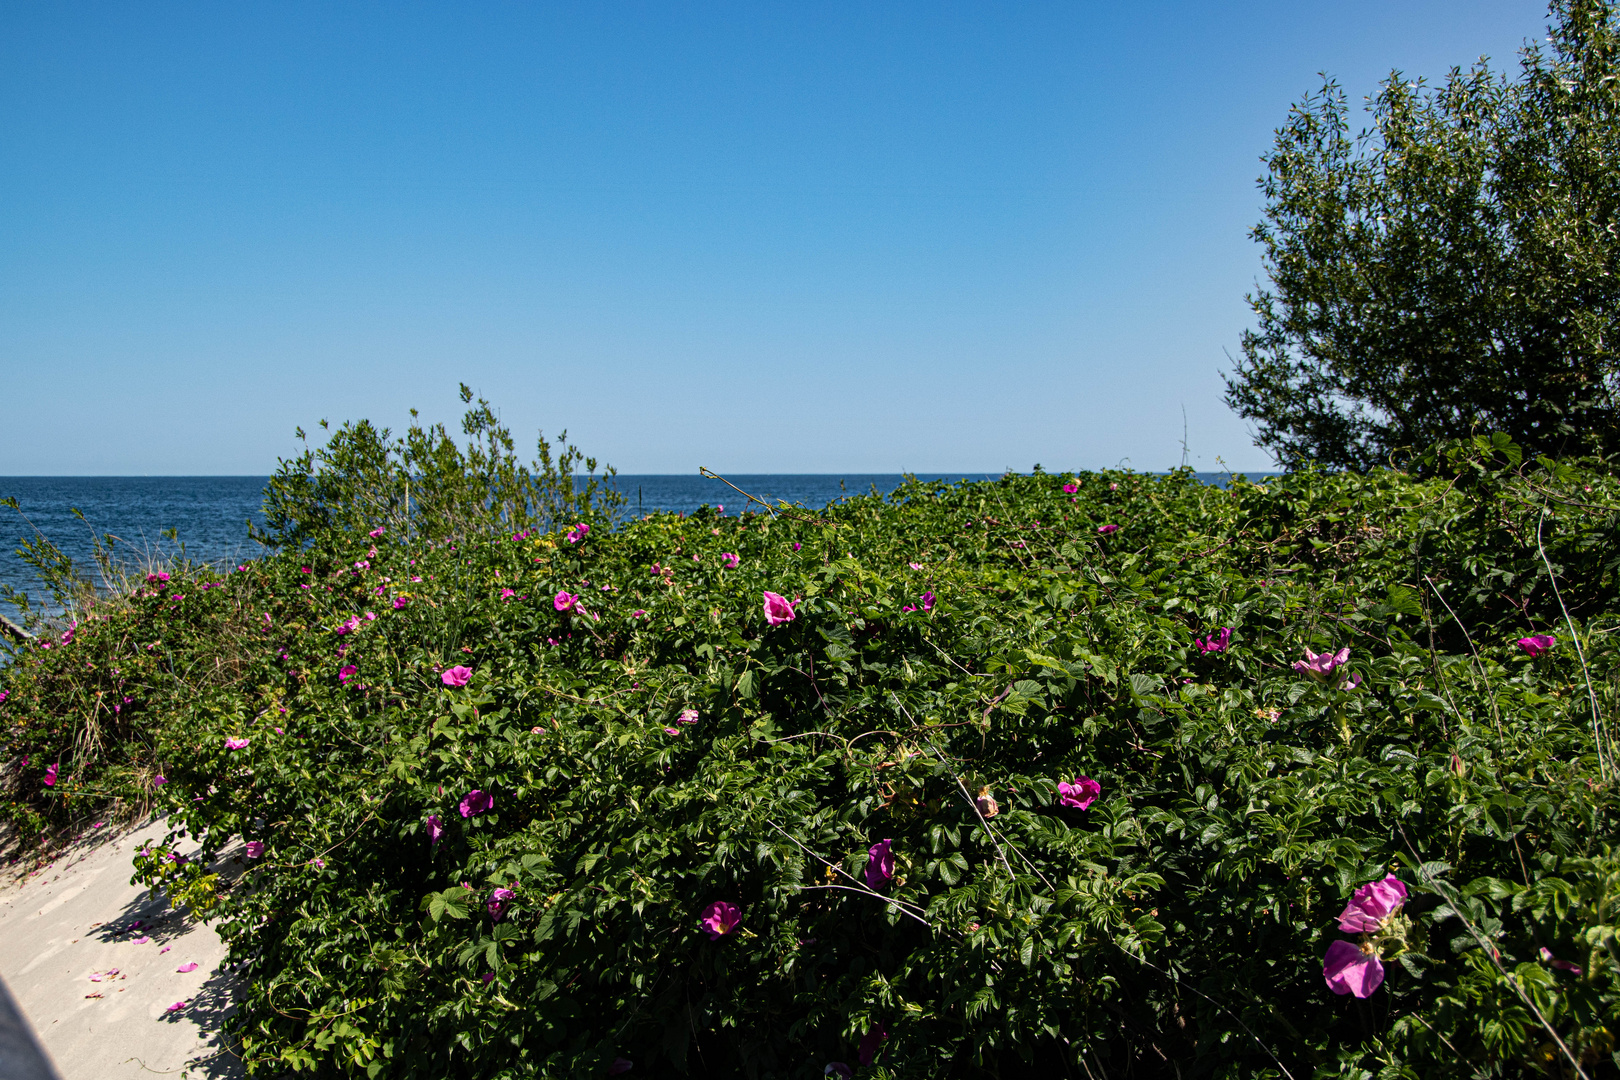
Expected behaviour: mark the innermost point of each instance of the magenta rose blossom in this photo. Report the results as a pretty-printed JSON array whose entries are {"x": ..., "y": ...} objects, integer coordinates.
[
  {"x": 1537, "y": 645},
  {"x": 435, "y": 828},
  {"x": 347, "y": 672},
  {"x": 1217, "y": 642},
  {"x": 255, "y": 848},
  {"x": 476, "y": 802},
  {"x": 456, "y": 676},
  {"x": 720, "y": 919},
  {"x": 1080, "y": 794},
  {"x": 1323, "y": 664},
  {"x": 565, "y": 601},
  {"x": 236, "y": 744},
  {"x": 1070, "y": 488},
  {"x": 50, "y": 776},
  {"x": 1562, "y": 965},
  {"x": 1349, "y": 969},
  {"x": 1371, "y": 904},
  {"x": 498, "y": 901},
  {"x": 870, "y": 1044},
  {"x": 1106, "y": 529},
  {"x": 730, "y": 559},
  {"x": 777, "y": 609},
  {"x": 880, "y": 864}
]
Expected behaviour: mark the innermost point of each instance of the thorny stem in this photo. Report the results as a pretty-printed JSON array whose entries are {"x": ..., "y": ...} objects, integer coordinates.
[
  {"x": 1478, "y": 664},
  {"x": 1597, "y": 724}
]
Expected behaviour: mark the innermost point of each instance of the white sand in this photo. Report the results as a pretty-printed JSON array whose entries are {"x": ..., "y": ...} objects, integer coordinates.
[{"x": 71, "y": 921}]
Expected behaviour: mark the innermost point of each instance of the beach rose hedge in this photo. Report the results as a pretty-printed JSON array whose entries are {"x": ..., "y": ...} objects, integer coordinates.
[{"x": 1060, "y": 775}]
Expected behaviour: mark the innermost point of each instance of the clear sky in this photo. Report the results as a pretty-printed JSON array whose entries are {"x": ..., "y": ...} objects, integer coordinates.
[{"x": 759, "y": 237}]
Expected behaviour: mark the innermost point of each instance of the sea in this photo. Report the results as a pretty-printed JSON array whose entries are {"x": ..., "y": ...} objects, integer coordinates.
[{"x": 154, "y": 518}]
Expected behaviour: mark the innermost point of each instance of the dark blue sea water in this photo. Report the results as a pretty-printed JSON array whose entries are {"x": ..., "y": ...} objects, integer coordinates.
[{"x": 209, "y": 514}]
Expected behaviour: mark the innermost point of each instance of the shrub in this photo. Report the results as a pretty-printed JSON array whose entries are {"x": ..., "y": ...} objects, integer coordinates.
[{"x": 1008, "y": 794}]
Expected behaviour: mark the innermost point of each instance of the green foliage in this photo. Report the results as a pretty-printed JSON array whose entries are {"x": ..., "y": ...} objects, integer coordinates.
[
  {"x": 427, "y": 486},
  {"x": 1175, "y": 928},
  {"x": 1454, "y": 268}
]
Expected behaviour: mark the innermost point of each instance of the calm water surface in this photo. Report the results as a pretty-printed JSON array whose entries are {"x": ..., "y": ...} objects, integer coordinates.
[{"x": 209, "y": 514}]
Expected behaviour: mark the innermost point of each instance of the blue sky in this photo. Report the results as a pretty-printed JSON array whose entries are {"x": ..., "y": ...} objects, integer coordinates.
[{"x": 756, "y": 237}]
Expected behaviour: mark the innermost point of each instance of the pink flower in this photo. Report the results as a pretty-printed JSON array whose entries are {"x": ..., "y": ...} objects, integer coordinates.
[
  {"x": 160, "y": 780},
  {"x": 688, "y": 716},
  {"x": 371, "y": 616},
  {"x": 50, "y": 776},
  {"x": 1562, "y": 965},
  {"x": 565, "y": 601},
  {"x": 153, "y": 579},
  {"x": 399, "y": 602},
  {"x": 1371, "y": 904},
  {"x": 1070, "y": 488},
  {"x": 184, "y": 968},
  {"x": 1320, "y": 665},
  {"x": 1537, "y": 645},
  {"x": 638, "y": 613},
  {"x": 378, "y": 531},
  {"x": 1216, "y": 642},
  {"x": 1106, "y": 529},
  {"x": 236, "y": 744},
  {"x": 347, "y": 672},
  {"x": 796, "y": 545},
  {"x": 498, "y": 901},
  {"x": 456, "y": 676},
  {"x": 777, "y": 609},
  {"x": 870, "y": 1044},
  {"x": 720, "y": 919},
  {"x": 672, "y": 731},
  {"x": 914, "y": 566},
  {"x": 1080, "y": 794},
  {"x": 176, "y": 1007},
  {"x": 318, "y": 863},
  {"x": 1349, "y": 969},
  {"x": 435, "y": 829},
  {"x": 928, "y": 601},
  {"x": 507, "y": 594},
  {"x": 476, "y": 802},
  {"x": 879, "y": 864},
  {"x": 255, "y": 848},
  {"x": 730, "y": 559}
]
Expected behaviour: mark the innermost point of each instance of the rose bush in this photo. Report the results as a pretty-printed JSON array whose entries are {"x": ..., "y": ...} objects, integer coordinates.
[{"x": 768, "y": 818}]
